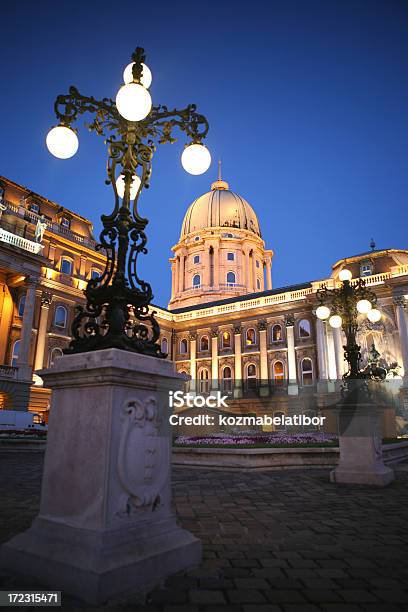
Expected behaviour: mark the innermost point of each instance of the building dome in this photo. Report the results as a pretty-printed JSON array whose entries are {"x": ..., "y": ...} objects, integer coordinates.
[{"x": 220, "y": 207}]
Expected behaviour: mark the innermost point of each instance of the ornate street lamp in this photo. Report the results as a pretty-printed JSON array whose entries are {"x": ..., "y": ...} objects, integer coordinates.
[
  {"x": 117, "y": 310},
  {"x": 341, "y": 307}
]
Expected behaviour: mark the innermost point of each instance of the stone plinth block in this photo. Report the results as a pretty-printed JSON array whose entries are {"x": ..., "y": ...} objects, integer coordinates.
[
  {"x": 360, "y": 443},
  {"x": 105, "y": 528}
]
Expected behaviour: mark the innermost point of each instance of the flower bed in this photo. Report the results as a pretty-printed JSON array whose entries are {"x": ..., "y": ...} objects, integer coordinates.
[{"x": 272, "y": 440}]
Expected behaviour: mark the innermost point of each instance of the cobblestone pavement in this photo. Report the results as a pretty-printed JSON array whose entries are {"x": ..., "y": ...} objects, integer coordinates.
[{"x": 284, "y": 541}]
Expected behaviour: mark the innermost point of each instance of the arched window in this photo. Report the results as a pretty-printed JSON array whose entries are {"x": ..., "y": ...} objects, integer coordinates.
[
  {"x": 55, "y": 353},
  {"x": 250, "y": 336},
  {"x": 196, "y": 281},
  {"x": 183, "y": 346},
  {"x": 60, "y": 317},
  {"x": 226, "y": 339},
  {"x": 95, "y": 274},
  {"x": 258, "y": 283},
  {"x": 14, "y": 354},
  {"x": 204, "y": 380},
  {"x": 164, "y": 346},
  {"x": 276, "y": 333},
  {"x": 204, "y": 343},
  {"x": 251, "y": 376},
  {"x": 231, "y": 278},
  {"x": 304, "y": 328},
  {"x": 278, "y": 372},
  {"x": 66, "y": 265},
  {"x": 227, "y": 379},
  {"x": 21, "y": 304},
  {"x": 307, "y": 371}
]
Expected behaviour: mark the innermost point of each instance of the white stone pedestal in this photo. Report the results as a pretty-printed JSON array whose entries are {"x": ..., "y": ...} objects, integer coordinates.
[
  {"x": 360, "y": 444},
  {"x": 105, "y": 528}
]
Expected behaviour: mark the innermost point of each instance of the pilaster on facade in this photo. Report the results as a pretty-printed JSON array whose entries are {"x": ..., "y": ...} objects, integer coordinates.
[{"x": 400, "y": 305}]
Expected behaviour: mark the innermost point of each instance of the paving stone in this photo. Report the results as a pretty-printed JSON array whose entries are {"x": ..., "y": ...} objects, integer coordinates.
[
  {"x": 242, "y": 596},
  {"x": 202, "y": 597},
  {"x": 272, "y": 541}
]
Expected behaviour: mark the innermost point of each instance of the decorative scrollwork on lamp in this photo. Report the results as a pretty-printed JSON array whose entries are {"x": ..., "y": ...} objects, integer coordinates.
[{"x": 117, "y": 313}]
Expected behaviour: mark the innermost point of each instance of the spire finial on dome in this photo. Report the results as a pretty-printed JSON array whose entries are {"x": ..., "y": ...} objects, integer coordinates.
[{"x": 219, "y": 183}]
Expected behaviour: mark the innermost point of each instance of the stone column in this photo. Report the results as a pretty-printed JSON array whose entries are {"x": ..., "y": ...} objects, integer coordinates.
[
  {"x": 264, "y": 387},
  {"x": 321, "y": 344},
  {"x": 268, "y": 274},
  {"x": 216, "y": 270},
  {"x": 338, "y": 352},
  {"x": 173, "y": 277},
  {"x": 181, "y": 273},
  {"x": 193, "y": 355},
  {"x": 105, "y": 528},
  {"x": 25, "y": 340},
  {"x": 237, "y": 362},
  {"x": 5, "y": 320},
  {"x": 214, "y": 359},
  {"x": 207, "y": 267},
  {"x": 247, "y": 270},
  {"x": 253, "y": 271},
  {"x": 46, "y": 300},
  {"x": 400, "y": 304},
  {"x": 290, "y": 336}
]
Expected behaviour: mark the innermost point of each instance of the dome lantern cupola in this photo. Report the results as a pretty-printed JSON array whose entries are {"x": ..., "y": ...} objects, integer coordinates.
[{"x": 220, "y": 252}]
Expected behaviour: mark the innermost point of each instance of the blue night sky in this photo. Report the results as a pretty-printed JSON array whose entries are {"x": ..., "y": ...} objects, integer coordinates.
[{"x": 307, "y": 103}]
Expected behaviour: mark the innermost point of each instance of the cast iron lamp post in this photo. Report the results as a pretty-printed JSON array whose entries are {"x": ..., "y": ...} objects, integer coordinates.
[
  {"x": 117, "y": 310},
  {"x": 341, "y": 307}
]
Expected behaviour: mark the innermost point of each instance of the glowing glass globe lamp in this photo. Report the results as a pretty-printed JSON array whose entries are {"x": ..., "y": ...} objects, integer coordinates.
[
  {"x": 345, "y": 275},
  {"x": 196, "y": 159},
  {"x": 374, "y": 315},
  {"x": 146, "y": 78},
  {"x": 335, "y": 321},
  {"x": 133, "y": 102},
  {"x": 363, "y": 306},
  {"x": 323, "y": 312},
  {"x": 62, "y": 142},
  {"x": 134, "y": 186}
]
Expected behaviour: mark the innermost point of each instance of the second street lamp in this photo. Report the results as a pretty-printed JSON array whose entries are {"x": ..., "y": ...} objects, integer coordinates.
[
  {"x": 117, "y": 311},
  {"x": 341, "y": 307}
]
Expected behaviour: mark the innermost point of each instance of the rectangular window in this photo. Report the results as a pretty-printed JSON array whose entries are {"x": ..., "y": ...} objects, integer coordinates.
[
  {"x": 196, "y": 259},
  {"x": 257, "y": 263},
  {"x": 366, "y": 269},
  {"x": 65, "y": 222},
  {"x": 34, "y": 207},
  {"x": 230, "y": 256}
]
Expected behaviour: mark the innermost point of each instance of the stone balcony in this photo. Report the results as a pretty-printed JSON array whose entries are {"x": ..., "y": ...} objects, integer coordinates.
[{"x": 52, "y": 226}]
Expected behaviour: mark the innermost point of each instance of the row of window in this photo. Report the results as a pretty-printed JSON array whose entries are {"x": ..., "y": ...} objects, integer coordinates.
[
  {"x": 231, "y": 280},
  {"x": 251, "y": 375},
  {"x": 60, "y": 315},
  {"x": 230, "y": 257},
  {"x": 36, "y": 208},
  {"x": 67, "y": 265},
  {"x": 250, "y": 337},
  {"x": 56, "y": 352}
]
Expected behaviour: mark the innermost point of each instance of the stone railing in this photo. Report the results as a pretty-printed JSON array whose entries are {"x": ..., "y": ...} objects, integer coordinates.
[
  {"x": 52, "y": 226},
  {"x": 20, "y": 242},
  {"x": 7, "y": 371}
]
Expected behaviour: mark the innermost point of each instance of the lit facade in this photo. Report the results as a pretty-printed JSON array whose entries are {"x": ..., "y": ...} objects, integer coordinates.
[
  {"x": 226, "y": 327},
  {"x": 40, "y": 286}
]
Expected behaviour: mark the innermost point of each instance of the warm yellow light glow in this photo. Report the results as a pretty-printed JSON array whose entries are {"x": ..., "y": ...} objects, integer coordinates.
[
  {"x": 374, "y": 315},
  {"x": 345, "y": 275},
  {"x": 363, "y": 306},
  {"x": 134, "y": 187},
  {"x": 133, "y": 102},
  {"x": 146, "y": 79},
  {"x": 335, "y": 321},
  {"x": 62, "y": 142},
  {"x": 322, "y": 312},
  {"x": 196, "y": 159}
]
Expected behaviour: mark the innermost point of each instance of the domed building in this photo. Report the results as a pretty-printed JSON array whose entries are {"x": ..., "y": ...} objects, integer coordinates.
[{"x": 220, "y": 252}]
